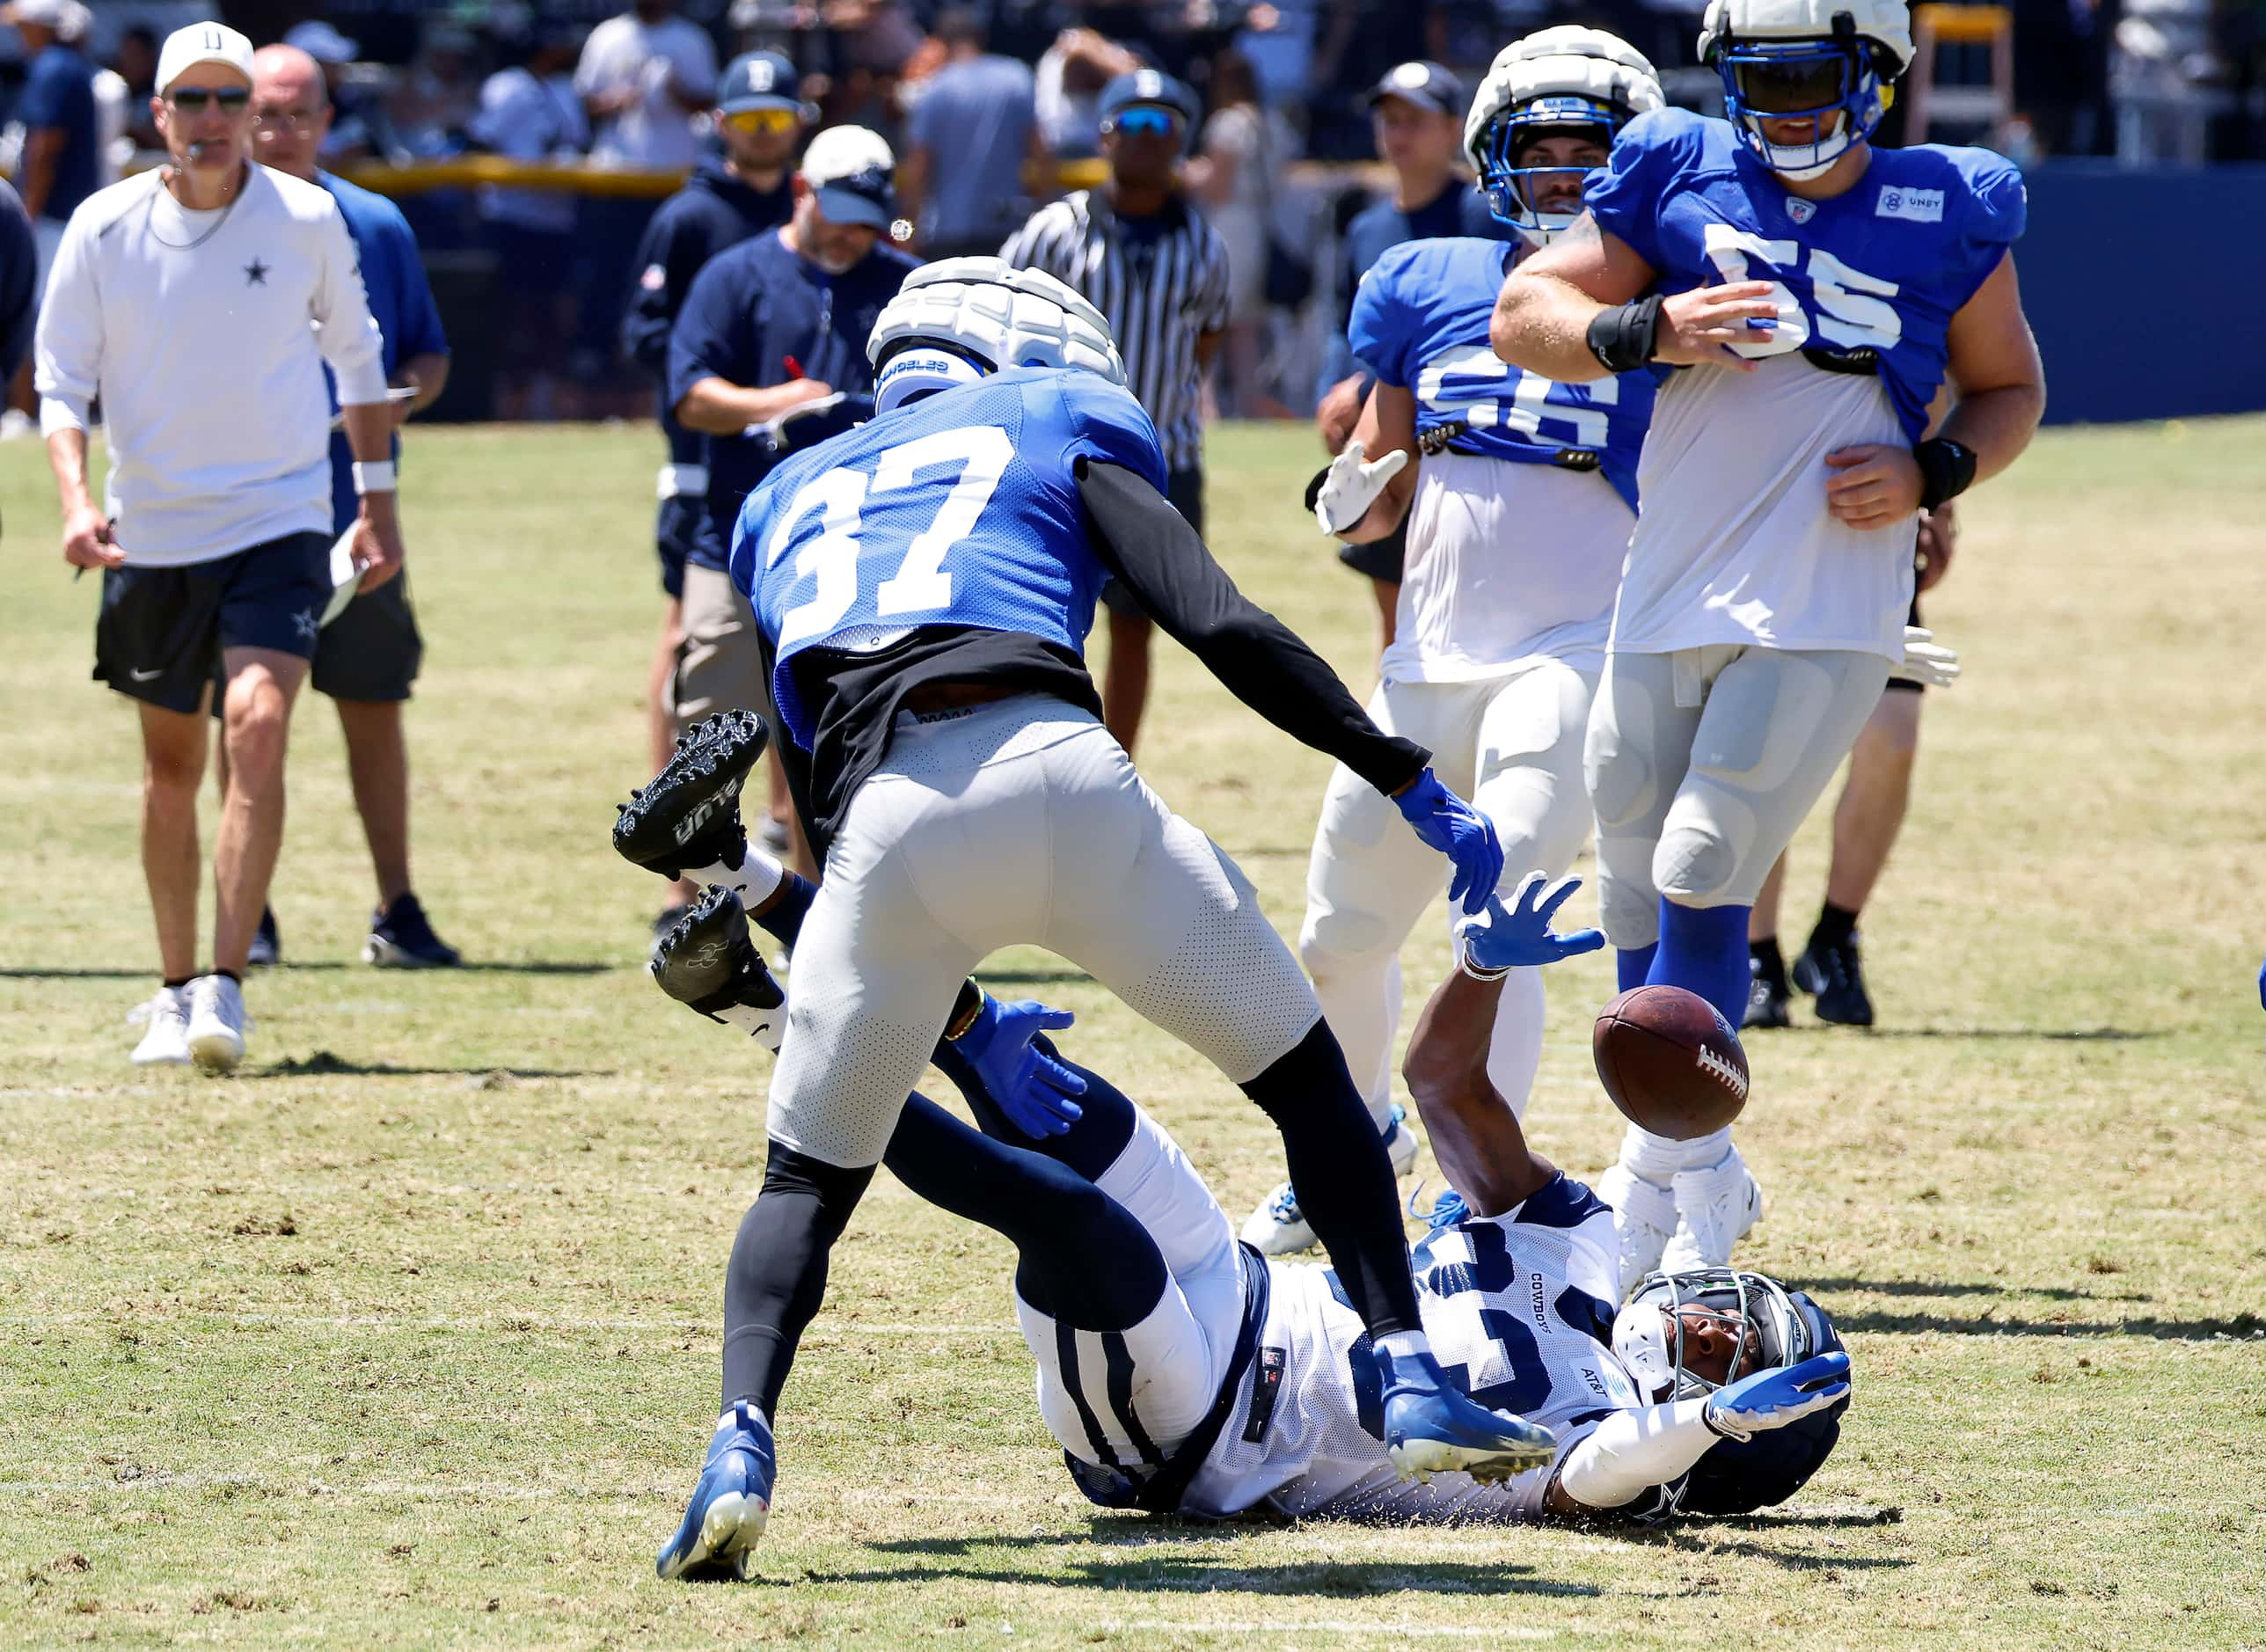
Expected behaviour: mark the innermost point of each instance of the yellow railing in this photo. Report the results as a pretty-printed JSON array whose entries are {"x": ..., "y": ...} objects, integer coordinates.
[{"x": 579, "y": 178}]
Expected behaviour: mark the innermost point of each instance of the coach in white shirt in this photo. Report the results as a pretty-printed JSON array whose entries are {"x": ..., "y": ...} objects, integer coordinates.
[{"x": 200, "y": 302}]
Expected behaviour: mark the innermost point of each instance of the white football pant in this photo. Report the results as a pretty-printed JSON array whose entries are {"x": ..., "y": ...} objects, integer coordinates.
[
  {"x": 1020, "y": 820},
  {"x": 1512, "y": 746},
  {"x": 1702, "y": 763}
]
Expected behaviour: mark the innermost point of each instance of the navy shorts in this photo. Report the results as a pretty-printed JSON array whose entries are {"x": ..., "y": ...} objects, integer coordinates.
[
  {"x": 160, "y": 634},
  {"x": 676, "y": 529},
  {"x": 371, "y": 651},
  {"x": 1185, "y": 491}
]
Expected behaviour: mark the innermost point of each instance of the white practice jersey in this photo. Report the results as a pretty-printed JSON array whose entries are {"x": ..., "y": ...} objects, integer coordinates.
[
  {"x": 1734, "y": 543},
  {"x": 205, "y": 334},
  {"x": 1507, "y": 563},
  {"x": 1519, "y": 1310}
]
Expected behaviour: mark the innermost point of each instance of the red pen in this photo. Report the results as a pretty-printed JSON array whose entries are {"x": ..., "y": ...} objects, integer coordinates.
[{"x": 794, "y": 369}]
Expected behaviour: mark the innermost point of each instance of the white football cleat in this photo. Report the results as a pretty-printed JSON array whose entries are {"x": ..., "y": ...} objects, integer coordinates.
[
  {"x": 166, "y": 1040},
  {"x": 1279, "y": 1228},
  {"x": 1644, "y": 1215},
  {"x": 216, "y": 1032},
  {"x": 1714, "y": 1210}
]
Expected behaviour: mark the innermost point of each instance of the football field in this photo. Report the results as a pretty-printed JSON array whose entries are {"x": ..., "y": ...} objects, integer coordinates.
[{"x": 406, "y": 1334}]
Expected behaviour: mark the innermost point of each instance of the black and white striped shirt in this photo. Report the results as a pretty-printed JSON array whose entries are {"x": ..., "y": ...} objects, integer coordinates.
[{"x": 1160, "y": 292}]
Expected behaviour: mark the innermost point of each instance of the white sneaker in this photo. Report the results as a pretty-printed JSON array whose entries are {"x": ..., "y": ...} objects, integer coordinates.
[
  {"x": 1715, "y": 1209},
  {"x": 1279, "y": 1228},
  {"x": 1644, "y": 1215},
  {"x": 216, "y": 1033},
  {"x": 166, "y": 1040}
]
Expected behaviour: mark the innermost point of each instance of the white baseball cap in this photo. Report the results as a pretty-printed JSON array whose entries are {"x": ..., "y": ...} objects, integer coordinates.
[
  {"x": 47, "y": 14},
  {"x": 851, "y": 167},
  {"x": 202, "y": 43}
]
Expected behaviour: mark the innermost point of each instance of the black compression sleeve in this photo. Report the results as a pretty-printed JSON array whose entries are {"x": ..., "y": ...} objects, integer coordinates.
[{"x": 1150, "y": 547}]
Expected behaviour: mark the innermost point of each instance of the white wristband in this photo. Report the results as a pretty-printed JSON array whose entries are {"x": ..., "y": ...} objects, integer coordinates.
[
  {"x": 1477, "y": 972},
  {"x": 373, "y": 475}
]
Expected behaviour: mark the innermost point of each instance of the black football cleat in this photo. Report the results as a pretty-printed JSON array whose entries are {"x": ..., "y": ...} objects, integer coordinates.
[
  {"x": 1766, "y": 999},
  {"x": 401, "y": 938},
  {"x": 267, "y": 950},
  {"x": 688, "y": 818},
  {"x": 707, "y": 959},
  {"x": 1833, "y": 972}
]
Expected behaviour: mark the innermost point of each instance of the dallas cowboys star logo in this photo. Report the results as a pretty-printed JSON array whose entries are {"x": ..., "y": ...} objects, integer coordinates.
[
  {"x": 309, "y": 626},
  {"x": 255, "y": 274}
]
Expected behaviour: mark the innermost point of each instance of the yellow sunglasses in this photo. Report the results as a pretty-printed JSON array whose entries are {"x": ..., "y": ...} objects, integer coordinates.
[{"x": 773, "y": 121}]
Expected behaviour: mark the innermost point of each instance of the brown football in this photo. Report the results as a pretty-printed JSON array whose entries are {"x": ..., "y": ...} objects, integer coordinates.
[{"x": 1671, "y": 1063}]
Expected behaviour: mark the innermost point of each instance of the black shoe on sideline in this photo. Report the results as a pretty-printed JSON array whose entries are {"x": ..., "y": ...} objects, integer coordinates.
[
  {"x": 1766, "y": 999},
  {"x": 266, "y": 945},
  {"x": 1832, "y": 971},
  {"x": 401, "y": 938}
]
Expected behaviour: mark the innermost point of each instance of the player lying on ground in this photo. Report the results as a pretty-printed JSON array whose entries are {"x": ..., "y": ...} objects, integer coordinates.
[{"x": 1182, "y": 1373}]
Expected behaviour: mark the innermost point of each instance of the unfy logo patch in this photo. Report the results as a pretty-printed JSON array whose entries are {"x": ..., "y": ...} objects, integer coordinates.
[{"x": 1918, "y": 206}]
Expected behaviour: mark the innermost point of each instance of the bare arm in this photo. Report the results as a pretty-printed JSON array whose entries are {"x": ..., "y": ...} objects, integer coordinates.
[
  {"x": 1387, "y": 422},
  {"x": 1208, "y": 347},
  {"x": 428, "y": 375},
  {"x": 719, "y": 407},
  {"x": 1475, "y": 1136},
  {"x": 86, "y": 531},
  {"x": 2002, "y": 382},
  {"x": 41, "y": 147},
  {"x": 1542, "y": 317}
]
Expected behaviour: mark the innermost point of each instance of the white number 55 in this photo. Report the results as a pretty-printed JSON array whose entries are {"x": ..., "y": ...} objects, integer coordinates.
[{"x": 1851, "y": 310}]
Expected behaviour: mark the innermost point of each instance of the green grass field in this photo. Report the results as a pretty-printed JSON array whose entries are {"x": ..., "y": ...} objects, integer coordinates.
[{"x": 405, "y": 1334}]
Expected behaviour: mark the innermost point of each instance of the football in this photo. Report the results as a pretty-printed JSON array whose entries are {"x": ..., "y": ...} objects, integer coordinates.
[{"x": 1670, "y": 1062}]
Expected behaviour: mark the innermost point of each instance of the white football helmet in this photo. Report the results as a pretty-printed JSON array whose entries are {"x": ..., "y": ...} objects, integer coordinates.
[
  {"x": 959, "y": 320},
  {"x": 1558, "y": 77},
  {"x": 1828, "y": 62}
]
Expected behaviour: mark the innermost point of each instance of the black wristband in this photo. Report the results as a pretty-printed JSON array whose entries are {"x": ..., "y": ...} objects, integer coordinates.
[
  {"x": 1314, "y": 487},
  {"x": 965, "y": 1009},
  {"x": 1623, "y": 336},
  {"x": 1947, "y": 469}
]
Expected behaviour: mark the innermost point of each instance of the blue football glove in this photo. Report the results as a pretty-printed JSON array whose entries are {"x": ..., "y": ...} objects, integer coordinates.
[
  {"x": 1773, "y": 1399},
  {"x": 1037, "y": 1093},
  {"x": 1457, "y": 830},
  {"x": 1517, "y": 936}
]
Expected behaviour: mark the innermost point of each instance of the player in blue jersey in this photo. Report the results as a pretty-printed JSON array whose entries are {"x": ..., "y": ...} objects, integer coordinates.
[
  {"x": 1180, "y": 1374},
  {"x": 1519, "y": 495},
  {"x": 921, "y": 586},
  {"x": 1819, "y": 295}
]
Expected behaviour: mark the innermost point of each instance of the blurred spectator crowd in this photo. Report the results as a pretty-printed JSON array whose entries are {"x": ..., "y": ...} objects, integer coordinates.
[{"x": 986, "y": 103}]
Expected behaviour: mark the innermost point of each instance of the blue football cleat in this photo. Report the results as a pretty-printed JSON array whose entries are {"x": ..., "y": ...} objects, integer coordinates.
[
  {"x": 1429, "y": 1428},
  {"x": 729, "y": 1505}
]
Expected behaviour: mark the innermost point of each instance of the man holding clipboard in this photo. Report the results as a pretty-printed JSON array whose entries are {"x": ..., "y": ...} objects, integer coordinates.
[{"x": 183, "y": 297}]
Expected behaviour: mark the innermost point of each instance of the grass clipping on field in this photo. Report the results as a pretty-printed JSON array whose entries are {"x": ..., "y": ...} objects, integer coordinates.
[{"x": 407, "y": 1335}]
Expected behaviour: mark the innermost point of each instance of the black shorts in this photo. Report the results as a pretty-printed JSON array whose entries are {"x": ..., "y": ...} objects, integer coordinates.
[
  {"x": 160, "y": 634},
  {"x": 1899, "y": 683},
  {"x": 676, "y": 527},
  {"x": 371, "y": 651},
  {"x": 1184, "y": 490},
  {"x": 1380, "y": 559}
]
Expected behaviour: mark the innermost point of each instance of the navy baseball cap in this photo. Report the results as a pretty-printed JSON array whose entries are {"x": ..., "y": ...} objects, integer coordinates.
[
  {"x": 759, "y": 80},
  {"x": 1149, "y": 87},
  {"x": 1427, "y": 85}
]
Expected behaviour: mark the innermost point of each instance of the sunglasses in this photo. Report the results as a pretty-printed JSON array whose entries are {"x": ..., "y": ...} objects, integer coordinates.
[
  {"x": 1147, "y": 124},
  {"x": 197, "y": 99},
  {"x": 769, "y": 122}
]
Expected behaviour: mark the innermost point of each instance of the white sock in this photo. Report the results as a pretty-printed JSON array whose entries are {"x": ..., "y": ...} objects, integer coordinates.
[
  {"x": 1656, "y": 1159},
  {"x": 755, "y": 877},
  {"x": 1404, "y": 1344}
]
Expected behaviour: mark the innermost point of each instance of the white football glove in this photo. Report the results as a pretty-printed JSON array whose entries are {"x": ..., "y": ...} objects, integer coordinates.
[
  {"x": 1925, "y": 661},
  {"x": 1351, "y": 487}
]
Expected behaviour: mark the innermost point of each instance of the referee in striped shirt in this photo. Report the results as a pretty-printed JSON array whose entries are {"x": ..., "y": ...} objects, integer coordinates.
[{"x": 1147, "y": 260}]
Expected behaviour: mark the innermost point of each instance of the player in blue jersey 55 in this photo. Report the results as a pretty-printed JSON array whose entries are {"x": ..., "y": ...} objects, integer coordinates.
[
  {"x": 921, "y": 586},
  {"x": 1519, "y": 495},
  {"x": 1180, "y": 1374},
  {"x": 1819, "y": 295}
]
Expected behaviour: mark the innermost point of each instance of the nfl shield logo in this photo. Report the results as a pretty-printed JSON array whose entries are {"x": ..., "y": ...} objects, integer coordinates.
[{"x": 1800, "y": 210}]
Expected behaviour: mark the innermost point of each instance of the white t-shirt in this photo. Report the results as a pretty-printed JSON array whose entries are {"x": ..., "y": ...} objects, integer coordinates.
[
  {"x": 1734, "y": 543},
  {"x": 205, "y": 335},
  {"x": 1506, "y": 562},
  {"x": 626, "y": 51}
]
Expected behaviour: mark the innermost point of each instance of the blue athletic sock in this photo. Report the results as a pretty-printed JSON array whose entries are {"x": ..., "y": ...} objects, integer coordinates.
[
  {"x": 784, "y": 921},
  {"x": 1633, "y": 965},
  {"x": 1089, "y": 1146},
  {"x": 1082, "y": 1258},
  {"x": 1704, "y": 950}
]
